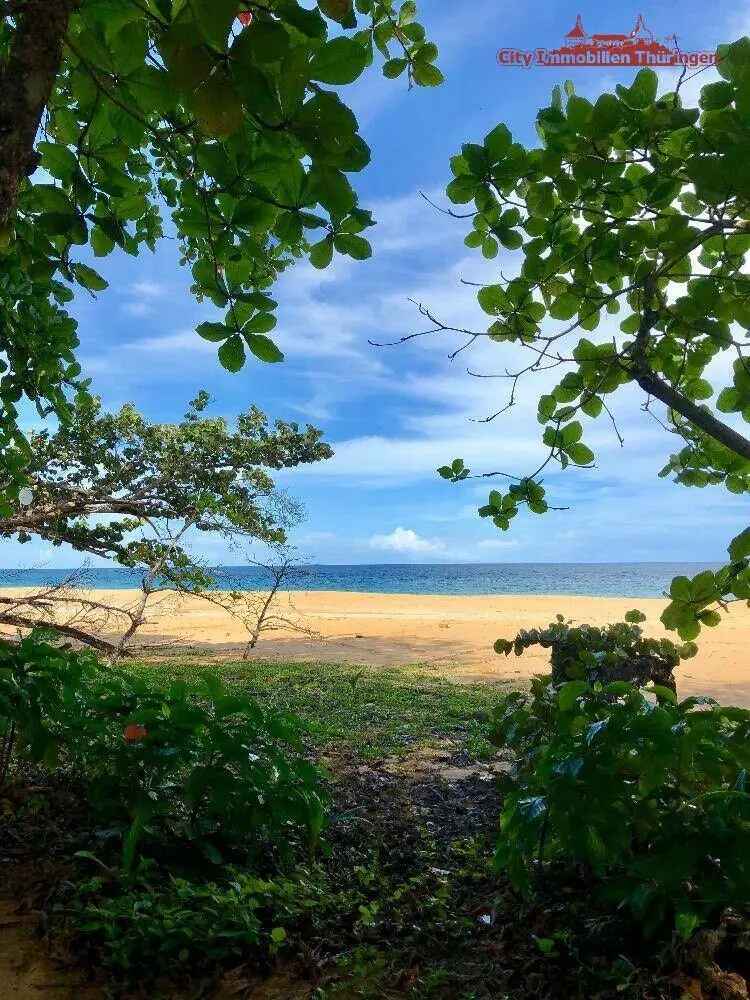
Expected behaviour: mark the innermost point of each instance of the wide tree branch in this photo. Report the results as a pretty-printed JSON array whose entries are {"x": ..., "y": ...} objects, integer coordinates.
[
  {"x": 702, "y": 417},
  {"x": 653, "y": 385},
  {"x": 27, "y": 78}
]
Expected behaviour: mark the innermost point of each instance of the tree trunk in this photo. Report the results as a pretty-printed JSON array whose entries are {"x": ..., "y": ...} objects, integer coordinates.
[{"x": 27, "y": 78}]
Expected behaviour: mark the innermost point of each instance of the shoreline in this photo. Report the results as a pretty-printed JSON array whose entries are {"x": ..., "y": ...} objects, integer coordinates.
[{"x": 449, "y": 635}]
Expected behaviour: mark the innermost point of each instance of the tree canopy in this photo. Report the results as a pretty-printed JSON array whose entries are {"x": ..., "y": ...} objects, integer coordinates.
[
  {"x": 114, "y": 112},
  {"x": 638, "y": 207},
  {"x": 102, "y": 477}
]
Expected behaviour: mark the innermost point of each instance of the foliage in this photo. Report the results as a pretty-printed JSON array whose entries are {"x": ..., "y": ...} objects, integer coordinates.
[
  {"x": 145, "y": 928},
  {"x": 115, "y": 111},
  {"x": 649, "y": 794},
  {"x": 128, "y": 472},
  {"x": 207, "y": 768},
  {"x": 401, "y": 903},
  {"x": 613, "y": 653},
  {"x": 638, "y": 207},
  {"x": 38, "y": 687}
]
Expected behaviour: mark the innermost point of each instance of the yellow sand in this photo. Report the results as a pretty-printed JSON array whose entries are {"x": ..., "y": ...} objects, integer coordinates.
[{"x": 454, "y": 635}]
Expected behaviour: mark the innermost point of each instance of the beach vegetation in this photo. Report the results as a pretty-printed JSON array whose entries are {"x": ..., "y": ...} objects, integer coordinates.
[
  {"x": 625, "y": 240},
  {"x": 271, "y": 607},
  {"x": 398, "y": 900},
  {"x": 648, "y": 795},
  {"x": 617, "y": 652},
  {"x": 226, "y": 117},
  {"x": 199, "y": 768}
]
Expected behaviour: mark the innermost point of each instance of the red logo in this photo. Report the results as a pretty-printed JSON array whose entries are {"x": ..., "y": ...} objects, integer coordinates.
[{"x": 638, "y": 48}]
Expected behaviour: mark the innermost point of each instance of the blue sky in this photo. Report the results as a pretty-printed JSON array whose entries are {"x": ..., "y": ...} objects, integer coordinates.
[{"x": 393, "y": 415}]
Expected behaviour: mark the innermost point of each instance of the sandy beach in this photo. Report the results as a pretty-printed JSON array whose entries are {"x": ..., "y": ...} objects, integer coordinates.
[{"x": 450, "y": 635}]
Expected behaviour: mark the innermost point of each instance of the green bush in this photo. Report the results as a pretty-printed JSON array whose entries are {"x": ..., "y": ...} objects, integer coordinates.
[
  {"x": 650, "y": 795},
  {"x": 193, "y": 764},
  {"x": 40, "y": 688},
  {"x": 618, "y": 652}
]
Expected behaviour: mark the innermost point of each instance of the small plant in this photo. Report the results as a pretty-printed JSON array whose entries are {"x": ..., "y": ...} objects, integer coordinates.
[
  {"x": 618, "y": 652},
  {"x": 649, "y": 795},
  {"x": 145, "y": 927}
]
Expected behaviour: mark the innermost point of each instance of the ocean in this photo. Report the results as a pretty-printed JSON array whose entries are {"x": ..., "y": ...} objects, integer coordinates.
[{"x": 586, "y": 579}]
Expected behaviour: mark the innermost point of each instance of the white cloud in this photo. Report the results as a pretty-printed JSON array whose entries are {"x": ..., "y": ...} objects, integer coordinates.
[
  {"x": 147, "y": 289},
  {"x": 142, "y": 296},
  {"x": 406, "y": 541}
]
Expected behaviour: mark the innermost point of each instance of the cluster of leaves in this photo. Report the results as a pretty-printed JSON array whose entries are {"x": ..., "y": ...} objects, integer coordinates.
[
  {"x": 649, "y": 795},
  {"x": 215, "y": 772},
  {"x": 145, "y": 927},
  {"x": 633, "y": 205},
  {"x": 502, "y": 507},
  {"x": 589, "y": 654},
  {"x": 239, "y": 131},
  {"x": 694, "y": 601}
]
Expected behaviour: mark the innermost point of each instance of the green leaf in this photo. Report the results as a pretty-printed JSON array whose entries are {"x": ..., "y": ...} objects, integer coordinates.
[
  {"x": 498, "y": 142},
  {"x": 58, "y": 160},
  {"x": 339, "y": 61},
  {"x": 232, "y": 353},
  {"x": 339, "y": 10},
  {"x": 569, "y": 694},
  {"x": 739, "y": 547},
  {"x": 427, "y": 75},
  {"x": 565, "y": 306},
  {"x": 492, "y": 299},
  {"x": 263, "y": 348},
  {"x": 321, "y": 253},
  {"x": 332, "y": 190},
  {"x": 407, "y": 13},
  {"x": 642, "y": 91},
  {"x": 686, "y": 923},
  {"x": 214, "y": 18},
  {"x": 355, "y": 246},
  {"x": 89, "y": 278},
  {"x": 218, "y": 108},
  {"x": 394, "y": 67},
  {"x": 260, "y": 323},
  {"x": 580, "y": 453},
  {"x": 681, "y": 589},
  {"x": 716, "y": 95},
  {"x": 215, "y": 332}
]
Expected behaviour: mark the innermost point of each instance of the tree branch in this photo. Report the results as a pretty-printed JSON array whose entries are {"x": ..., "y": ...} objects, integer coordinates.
[{"x": 72, "y": 633}]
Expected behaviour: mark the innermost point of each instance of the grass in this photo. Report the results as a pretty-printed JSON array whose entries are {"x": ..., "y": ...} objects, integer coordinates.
[{"x": 374, "y": 712}]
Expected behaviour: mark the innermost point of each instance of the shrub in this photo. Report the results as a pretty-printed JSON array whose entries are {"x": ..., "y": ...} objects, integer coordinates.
[
  {"x": 197, "y": 764},
  {"x": 615, "y": 652},
  {"x": 39, "y": 688},
  {"x": 648, "y": 794}
]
